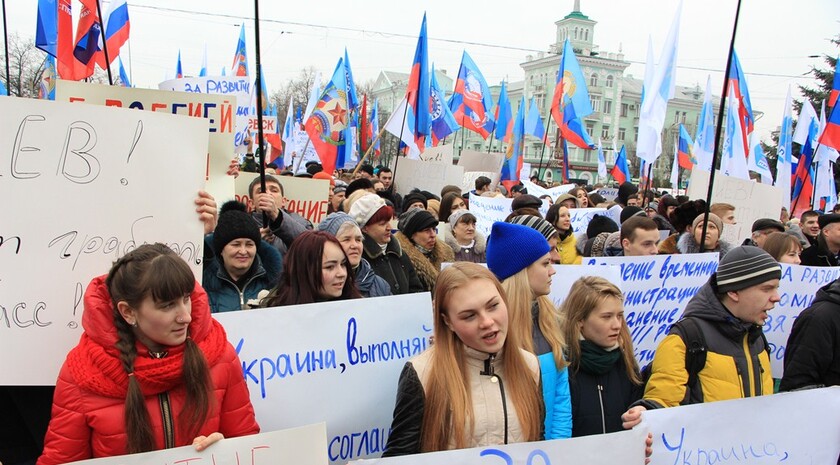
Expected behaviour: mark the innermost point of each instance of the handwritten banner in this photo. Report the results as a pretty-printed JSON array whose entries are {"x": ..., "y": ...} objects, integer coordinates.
[
  {"x": 439, "y": 154},
  {"x": 793, "y": 427},
  {"x": 797, "y": 289},
  {"x": 302, "y": 148},
  {"x": 306, "y": 197},
  {"x": 608, "y": 193},
  {"x": 426, "y": 175},
  {"x": 626, "y": 447},
  {"x": 752, "y": 201},
  {"x": 306, "y": 445},
  {"x": 337, "y": 362},
  {"x": 656, "y": 290},
  {"x": 237, "y": 87},
  {"x": 83, "y": 185},
  {"x": 218, "y": 110}
]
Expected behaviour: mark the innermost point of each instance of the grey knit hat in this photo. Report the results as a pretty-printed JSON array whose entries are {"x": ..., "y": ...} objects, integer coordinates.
[
  {"x": 535, "y": 222},
  {"x": 746, "y": 266},
  {"x": 332, "y": 223}
]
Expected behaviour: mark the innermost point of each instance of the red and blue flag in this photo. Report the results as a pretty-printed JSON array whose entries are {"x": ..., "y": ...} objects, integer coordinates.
[
  {"x": 512, "y": 164},
  {"x": 803, "y": 183},
  {"x": 117, "y": 29},
  {"x": 835, "y": 87},
  {"x": 571, "y": 100},
  {"x": 240, "y": 58},
  {"x": 738, "y": 82},
  {"x": 179, "y": 70},
  {"x": 328, "y": 123},
  {"x": 443, "y": 121},
  {"x": 685, "y": 150},
  {"x": 417, "y": 93},
  {"x": 831, "y": 133},
  {"x": 621, "y": 171},
  {"x": 86, "y": 46},
  {"x": 373, "y": 127},
  {"x": 471, "y": 101},
  {"x": 503, "y": 116}
]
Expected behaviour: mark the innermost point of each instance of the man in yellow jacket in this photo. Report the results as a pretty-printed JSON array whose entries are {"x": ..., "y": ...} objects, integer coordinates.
[{"x": 729, "y": 311}]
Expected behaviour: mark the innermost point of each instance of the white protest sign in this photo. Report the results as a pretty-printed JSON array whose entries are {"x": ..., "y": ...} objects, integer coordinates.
[
  {"x": 439, "y": 154},
  {"x": 471, "y": 160},
  {"x": 83, "y": 185},
  {"x": 306, "y": 445},
  {"x": 797, "y": 289},
  {"x": 237, "y": 87},
  {"x": 218, "y": 110},
  {"x": 303, "y": 148},
  {"x": 626, "y": 447},
  {"x": 608, "y": 193},
  {"x": 337, "y": 362},
  {"x": 553, "y": 192},
  {"x": 752, "y": 201},
  {"x": 488, "y": 210},
  {"x": 470, "y": 176},
  {"x": 566, "y": 275},
  {"x": 792, "y": 427},
  {"x": 426, "y": 175},
  {"x": 306, "y": 197},
  {"x": 582, "y": 216},
  {"x": 525, "y": 171},
  {"x": 269, "y": 124},
  {"x": 656, "y": 290}
]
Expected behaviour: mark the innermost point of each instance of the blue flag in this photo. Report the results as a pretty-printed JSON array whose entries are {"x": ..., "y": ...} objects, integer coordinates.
[{"x": 533, "y": 122}]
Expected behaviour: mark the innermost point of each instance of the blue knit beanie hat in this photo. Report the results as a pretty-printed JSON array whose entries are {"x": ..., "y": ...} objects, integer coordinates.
[{"x": 512, "y": 248}]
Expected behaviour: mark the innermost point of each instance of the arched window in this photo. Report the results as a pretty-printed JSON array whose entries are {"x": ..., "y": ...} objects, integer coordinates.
[
  {"x": 586, "y": 34},
  {"x": 576, "y": 31},
  {"x": 609, "y": 81},
  {"x": 593, "y": 80}
]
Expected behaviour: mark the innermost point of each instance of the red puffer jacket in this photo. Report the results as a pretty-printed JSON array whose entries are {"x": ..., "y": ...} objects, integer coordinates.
[{"x": 88, "y": 408}]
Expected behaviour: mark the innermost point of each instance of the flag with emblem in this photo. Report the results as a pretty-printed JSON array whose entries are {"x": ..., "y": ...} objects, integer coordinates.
[
  {"x": 328, "y": 122},
  {"x": 46, "y": 89},
  {"x": 240, "y": 58},
  {"x": 471, "y": 101},
  {"x": 443, "y": 121},
  {"x": 512, "y": 164},
  {"x": 571, "y": 100}
]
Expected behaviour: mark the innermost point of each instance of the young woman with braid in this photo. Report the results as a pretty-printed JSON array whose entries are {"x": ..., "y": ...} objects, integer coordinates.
[{"x": 152, "y": 370}]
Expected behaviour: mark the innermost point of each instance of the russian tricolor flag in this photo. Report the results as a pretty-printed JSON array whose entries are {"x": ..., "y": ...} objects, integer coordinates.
[
  {"x": 117, "y": 28},
  {"x": 620, "y": 171}
]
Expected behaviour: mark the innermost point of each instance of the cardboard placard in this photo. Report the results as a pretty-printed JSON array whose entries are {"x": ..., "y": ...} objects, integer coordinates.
[
  {"x": 481, "y": 161},
  {"x": 306, "y": 197},
  {"x": 426, "y": 175}
]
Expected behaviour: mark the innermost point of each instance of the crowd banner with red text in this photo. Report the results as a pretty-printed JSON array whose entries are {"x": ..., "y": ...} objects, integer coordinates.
[
  {"x": 219, "y": 111},
  {"x": 306, "y": 197},
  {"x": 82, "y": 186}
]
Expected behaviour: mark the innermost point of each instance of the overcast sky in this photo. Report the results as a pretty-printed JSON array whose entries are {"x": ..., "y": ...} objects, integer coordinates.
[{"x": 774, "y": 40}]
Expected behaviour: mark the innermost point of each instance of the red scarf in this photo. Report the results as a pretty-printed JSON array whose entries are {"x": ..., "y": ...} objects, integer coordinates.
[{"x": 95, "y": 362}]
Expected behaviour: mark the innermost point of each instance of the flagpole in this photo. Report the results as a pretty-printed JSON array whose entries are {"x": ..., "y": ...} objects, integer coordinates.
[
  {"x": 368, "y": 151},
  {"x": 561, "y": 146},
  {"x": 719, "y": 128},
  {"x": 463, "y": 130},
  {"x": 259, "y": 102},
  {"x": 6, "y": 44},
  {"x": 302, "y": 153},
  {"x": 104, "y": 41},
  {"x": 648, "y": 182},
  {"x": 545, "y": 144},
  {"x": 490, "y": 145},
  {"x": 402, "y": 129}
]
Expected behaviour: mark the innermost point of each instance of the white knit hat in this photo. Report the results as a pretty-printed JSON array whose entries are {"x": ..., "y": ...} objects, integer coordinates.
[{"x": 365, "y": 207}]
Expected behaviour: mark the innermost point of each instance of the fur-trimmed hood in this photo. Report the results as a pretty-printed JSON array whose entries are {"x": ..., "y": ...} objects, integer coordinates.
[
  {"x": 687, "y": 244},
  {"x": 427, "y": 267},
  {"x": 480, "y": 243}
]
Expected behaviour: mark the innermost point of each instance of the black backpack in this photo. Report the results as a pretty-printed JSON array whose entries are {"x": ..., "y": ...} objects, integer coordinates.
[{"x": 695, "y": 351}]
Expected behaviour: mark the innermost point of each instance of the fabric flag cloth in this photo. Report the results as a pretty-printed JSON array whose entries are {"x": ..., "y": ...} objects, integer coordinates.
[
  {"x": 655, "y": 103},
  {"x": 803, "y": 183},
  {"x": 738, "y": 82},
  {"x": 783, "y": 152},
  {"x": 571, "y": 100},
  {"x": 675, "y": 167},
  {"x": 602, "y": 162},
  {"x": 86, "y": 46},
  {"x": 443, "y": 121},
  {"x": 117, "y": 29},
  {"x": 398, "y": 125},
  {"x": 503, "y": 116},
  {"x": 3, "y": 90},
  {"x": 650, "y": 69},
  {"x": 704, "y": 141},
  {"x": 835, "y": 87},
  {"x": 824, "y": 189},
  {"x": 418, "y": 90},
  {"x": 46, "y": 89},
  {"x": 275, "y": 142},
  {"x": 329, "y": 120},
  {"x": 352, "y": 97},
  {"x": 512, "y": 164},
  {"x": 314, "y": 95},
  {"x": 349, "y": 157},
  {"x": 373, "y": 128},
  {"x": 533, "y": 122},
  {"x": 289, "y": 145},
  {"x": 807, "y": 118},
  {"x": 757, "y": 160},
  {"x": 734, "y": 160},
  {"x": 46, "y": 29},
  {"x": 565, "y": 161},
  {"x": 124, "y": 81},
  {"x": 825, "y": 152},
  {"x": 240, "y": 58},
  {"x": 364, "y": 127},
  {"x": 179, "y": 70},
  {"x": 643, "y": 174},
  {"x": 685, "y": 150},
  {"x": 471, "y": 100},
  {"x": 203, "y": 71},
  {"x": 620, "y": 170}
]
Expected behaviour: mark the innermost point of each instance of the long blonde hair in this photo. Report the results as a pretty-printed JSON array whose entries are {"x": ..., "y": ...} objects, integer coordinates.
[
  {"x": 521, "y": 298},
  {"x": 586, "y": 295},
  {"x": 448, "y": 411}
]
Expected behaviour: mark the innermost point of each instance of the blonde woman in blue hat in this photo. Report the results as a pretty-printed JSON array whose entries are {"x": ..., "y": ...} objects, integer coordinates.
[{"x": 520, "y": 256}]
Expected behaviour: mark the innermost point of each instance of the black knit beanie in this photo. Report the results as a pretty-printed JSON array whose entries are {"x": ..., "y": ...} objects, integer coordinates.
[{"x": 234, "y": 223}]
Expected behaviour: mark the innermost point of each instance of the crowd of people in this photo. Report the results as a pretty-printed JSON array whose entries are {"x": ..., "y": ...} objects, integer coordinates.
[{"x": 154, "y": 370}]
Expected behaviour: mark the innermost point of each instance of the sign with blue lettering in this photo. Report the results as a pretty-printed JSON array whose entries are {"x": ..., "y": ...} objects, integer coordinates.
[
  {"x": 626, "y": 447},
  {"x": 337, "y": 362},
  {"x": 797, "y": 289},
  {"x": 82, "y": 185},
  {"x": 792, "y": 427},
  {"x": 306, "y": 445},
  {"x": 656, "y": 290}
]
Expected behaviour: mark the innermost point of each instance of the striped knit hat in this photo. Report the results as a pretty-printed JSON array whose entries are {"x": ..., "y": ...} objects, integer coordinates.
[
  {"x": 746, "y": 266},
  {"x": 535, "y": 222}
]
